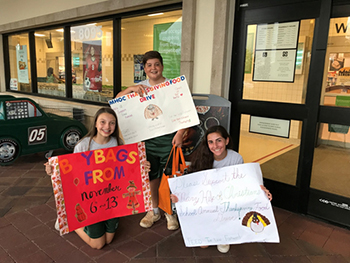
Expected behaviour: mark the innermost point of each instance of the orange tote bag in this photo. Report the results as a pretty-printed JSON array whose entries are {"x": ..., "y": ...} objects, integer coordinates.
[{"x": 178, "y": 168}]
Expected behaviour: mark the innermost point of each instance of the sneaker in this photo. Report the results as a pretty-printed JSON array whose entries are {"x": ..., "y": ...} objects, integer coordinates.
[
  {"x": 172, "y": 222},
  {"x": 57, "y": 225},
  {"x": 223, "y": 248},
  {"x": 149, "y": 219}
]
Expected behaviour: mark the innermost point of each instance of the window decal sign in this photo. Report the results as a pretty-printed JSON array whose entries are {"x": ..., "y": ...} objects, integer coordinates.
[
  {"x": 166, "y": 108},
  {"x": 229, "y": 204},
  {"x": 94, "y": 186}
]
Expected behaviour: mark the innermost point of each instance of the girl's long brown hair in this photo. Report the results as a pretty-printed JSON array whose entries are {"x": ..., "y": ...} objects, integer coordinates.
[
  {"x": 203, "y": 158},
  {"x": 93, "y": 131}
]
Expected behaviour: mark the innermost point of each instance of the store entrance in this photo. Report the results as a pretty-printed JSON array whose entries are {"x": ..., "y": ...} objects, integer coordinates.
[
  {"x": 330, "y": 178},
  {"x": 290, "y": 113}
]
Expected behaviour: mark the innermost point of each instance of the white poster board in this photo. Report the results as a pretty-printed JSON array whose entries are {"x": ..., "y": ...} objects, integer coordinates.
[
  {"x": 22, "y": 63},
  {"x": 224, "y": 206},
  {"x": 167, "y": 107}
]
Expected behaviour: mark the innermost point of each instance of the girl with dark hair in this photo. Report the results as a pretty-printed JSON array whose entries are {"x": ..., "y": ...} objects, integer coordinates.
[
  {"x": 215, "y": 151},
  {"x": 103, "y": 133},
  {"x": 209, "y": 151}
]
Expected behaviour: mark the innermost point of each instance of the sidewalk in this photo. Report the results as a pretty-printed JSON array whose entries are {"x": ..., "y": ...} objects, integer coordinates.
[{"x": 27, "y": 234}]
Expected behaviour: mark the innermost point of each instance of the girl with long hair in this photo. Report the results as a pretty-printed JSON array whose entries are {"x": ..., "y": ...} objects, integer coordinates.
[
  {"x": 103, "y": 133},
  {"x": 216, "y": 151}
]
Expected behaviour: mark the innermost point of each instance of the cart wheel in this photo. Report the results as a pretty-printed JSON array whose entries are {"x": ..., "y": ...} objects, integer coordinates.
[
  {"x": 9, "y": 151},
  {"x": 69, "y": 138}
]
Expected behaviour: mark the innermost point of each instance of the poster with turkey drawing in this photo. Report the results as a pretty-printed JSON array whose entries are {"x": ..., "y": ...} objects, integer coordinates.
[
  {"x": 224, "y": 206},
  {"x": 166, "y": 108},
  {"x": 97, "y": 185}
]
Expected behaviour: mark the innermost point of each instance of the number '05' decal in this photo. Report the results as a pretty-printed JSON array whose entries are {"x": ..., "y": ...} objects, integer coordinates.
[{"x": 37, "y": 135}]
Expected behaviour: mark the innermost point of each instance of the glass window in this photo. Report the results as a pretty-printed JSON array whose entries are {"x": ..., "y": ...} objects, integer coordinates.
[
  {"x": 2, "y": 112},
  {"x": 292, "y": 92},
  {"x": 19, "y": 63},
  {"x": 161, "y": 32},
  {"x": 92, "y": 61},
  {"x": 20, "y": 109},
  {"x": 50, "y": 62},
  {"x": 331, "y": 165},
  {"x": 336, "y": 77},
  {"x": 272, "y": 143}
]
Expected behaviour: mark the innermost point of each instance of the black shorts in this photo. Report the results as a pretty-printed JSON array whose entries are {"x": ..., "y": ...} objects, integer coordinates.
[
  {"x": 99, "y": 229},
  {"x": 157, "y": 153}
]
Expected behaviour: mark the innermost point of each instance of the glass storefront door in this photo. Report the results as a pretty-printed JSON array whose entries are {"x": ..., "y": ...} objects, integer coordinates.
[
  {"x": 330, "y": 179},
  {"x": 292, "y": 101},
  {"x": 277, "y": 154}
]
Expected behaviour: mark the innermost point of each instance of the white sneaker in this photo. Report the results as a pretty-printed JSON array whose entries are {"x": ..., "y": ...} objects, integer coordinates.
[
  {"x": 149, "y": 219},
  {"x": 172, "y": 222},
  {"x": 57, "y": 225},
  {"x": 223, "y": 248}
]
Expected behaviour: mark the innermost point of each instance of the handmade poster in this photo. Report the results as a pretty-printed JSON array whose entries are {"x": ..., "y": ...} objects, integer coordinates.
[
  {"x": 224, "y": 206},
  {"x": 166, "y": 108},
  {"x": 94, "y": 186},
  {"x": 92, "y": 65}
]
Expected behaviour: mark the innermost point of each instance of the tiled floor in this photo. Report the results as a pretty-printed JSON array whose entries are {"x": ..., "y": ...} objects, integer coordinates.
[{"x": 27, "y": 216}]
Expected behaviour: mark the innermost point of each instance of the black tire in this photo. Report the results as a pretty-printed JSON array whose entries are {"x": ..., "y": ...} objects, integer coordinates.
[
  {"x": 69, "y": 138},
  {"x": 9, "y": 151}
]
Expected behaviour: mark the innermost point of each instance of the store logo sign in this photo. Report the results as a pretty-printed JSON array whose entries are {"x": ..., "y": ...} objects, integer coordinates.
[{"x": 341, "y": 27}]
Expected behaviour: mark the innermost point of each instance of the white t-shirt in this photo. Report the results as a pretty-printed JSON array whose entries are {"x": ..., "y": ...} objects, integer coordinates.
[
  {"x": 231, "y": 158},
  {"x": 146, "y": 82},
  {"x": 83, "y": 145}
]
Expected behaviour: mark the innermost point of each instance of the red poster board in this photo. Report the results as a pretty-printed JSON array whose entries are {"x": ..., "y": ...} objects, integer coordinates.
[{"x": 94, "y": 186}]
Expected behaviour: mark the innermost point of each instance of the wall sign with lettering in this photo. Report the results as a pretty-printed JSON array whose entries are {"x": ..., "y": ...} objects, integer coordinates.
[
  {"x": 275, "y": 52},
  {"x": 269, "y": 126}
]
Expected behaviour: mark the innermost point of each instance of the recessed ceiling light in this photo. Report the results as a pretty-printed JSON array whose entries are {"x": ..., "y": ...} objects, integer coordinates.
[{"x": 38, "y": 35}]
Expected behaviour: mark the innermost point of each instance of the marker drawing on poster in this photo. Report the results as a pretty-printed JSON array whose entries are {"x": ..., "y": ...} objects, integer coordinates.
[
  {"x": 224, "y": 206},
  {"x": 166, "y": 108}
]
